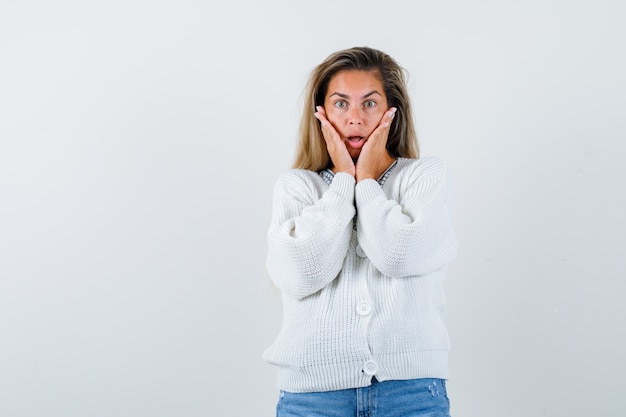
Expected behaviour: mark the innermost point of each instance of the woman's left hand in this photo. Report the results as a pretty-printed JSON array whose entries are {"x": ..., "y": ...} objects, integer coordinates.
[{"x": 374, "y": 158}]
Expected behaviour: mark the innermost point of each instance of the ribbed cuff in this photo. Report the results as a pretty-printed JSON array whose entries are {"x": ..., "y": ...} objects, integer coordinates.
[
  {"x": 343, "y": 185},
  {"x": 367, "y": 190}
]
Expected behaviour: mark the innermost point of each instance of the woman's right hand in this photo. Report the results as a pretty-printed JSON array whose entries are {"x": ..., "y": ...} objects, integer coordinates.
[{"x": 342, "y": 161}]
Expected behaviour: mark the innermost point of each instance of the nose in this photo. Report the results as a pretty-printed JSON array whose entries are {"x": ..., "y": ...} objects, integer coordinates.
[{"x": 355, "y": 117}]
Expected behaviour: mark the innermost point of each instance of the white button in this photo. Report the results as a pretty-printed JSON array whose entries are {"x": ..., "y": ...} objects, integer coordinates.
[
  {"x": 363, "y": 308},
  {"x": 360, "y": 252},
  {"x": 370, "y": 367}
]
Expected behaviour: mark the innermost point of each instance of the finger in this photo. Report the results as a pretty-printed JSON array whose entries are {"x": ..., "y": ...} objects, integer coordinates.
[
  {"x": 385, "y": 121},
  {"x": 324, "y": 123},
  {"x": 320, "y": 114},
  {"x": 382, "y": 130},
  {"x": 388, "y": 117},
  {"x": 328, "y": 132}
]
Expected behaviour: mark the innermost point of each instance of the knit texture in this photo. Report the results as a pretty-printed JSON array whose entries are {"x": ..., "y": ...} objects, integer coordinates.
[{"x": 361, "y": 301}]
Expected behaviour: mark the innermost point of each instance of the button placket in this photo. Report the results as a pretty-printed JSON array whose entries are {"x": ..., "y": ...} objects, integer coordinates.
[
  {"x": 370, "y": 367},
  {"x": 363, "y": 308}
]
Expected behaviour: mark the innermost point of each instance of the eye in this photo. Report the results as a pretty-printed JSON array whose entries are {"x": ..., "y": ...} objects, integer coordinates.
[
  {"x": 340, "y": 104},
  {"x": 370, "y": 103}
]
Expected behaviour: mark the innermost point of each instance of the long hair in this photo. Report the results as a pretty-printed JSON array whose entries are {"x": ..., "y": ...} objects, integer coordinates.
[{"x": 311, "y": 151}]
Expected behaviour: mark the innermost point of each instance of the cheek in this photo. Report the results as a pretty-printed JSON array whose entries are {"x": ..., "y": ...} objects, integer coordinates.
[
  {"x": 332, "y": 112},
  {"x": 334, "y": 117},
  {"x": 378, "y": 114}
]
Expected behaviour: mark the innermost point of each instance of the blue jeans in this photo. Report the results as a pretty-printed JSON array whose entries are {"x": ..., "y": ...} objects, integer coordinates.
[{"x": 412, "y": 398}]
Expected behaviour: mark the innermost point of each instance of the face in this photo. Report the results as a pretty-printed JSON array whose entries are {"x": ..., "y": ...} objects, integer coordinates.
[{"x": 355, "y": 104}]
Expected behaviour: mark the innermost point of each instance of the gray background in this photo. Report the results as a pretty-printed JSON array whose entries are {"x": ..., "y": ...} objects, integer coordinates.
[{"x": 140, "y": 141}]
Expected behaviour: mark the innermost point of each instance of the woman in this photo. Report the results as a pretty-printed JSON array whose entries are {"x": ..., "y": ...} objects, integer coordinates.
[{"x": 359, "y": 244}]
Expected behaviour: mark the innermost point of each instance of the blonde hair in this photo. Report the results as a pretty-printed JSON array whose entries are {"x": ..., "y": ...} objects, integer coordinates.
[{"x": 311, "y": 152}]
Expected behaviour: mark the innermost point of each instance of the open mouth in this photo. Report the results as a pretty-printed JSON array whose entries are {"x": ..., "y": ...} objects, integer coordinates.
[{"x": 355, "y": 141}]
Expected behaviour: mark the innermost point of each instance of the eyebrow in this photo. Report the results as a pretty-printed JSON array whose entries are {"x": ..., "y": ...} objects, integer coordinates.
[{"x": 347, "y": 96}]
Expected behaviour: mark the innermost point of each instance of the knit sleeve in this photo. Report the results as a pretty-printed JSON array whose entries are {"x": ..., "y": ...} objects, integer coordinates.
[
  {"x": 309, "y": 232},
  {"x": 410, "y": 234}
]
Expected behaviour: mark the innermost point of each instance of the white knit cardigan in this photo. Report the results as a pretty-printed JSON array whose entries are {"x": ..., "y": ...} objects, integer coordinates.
[{"x": 367, "y": 300}]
